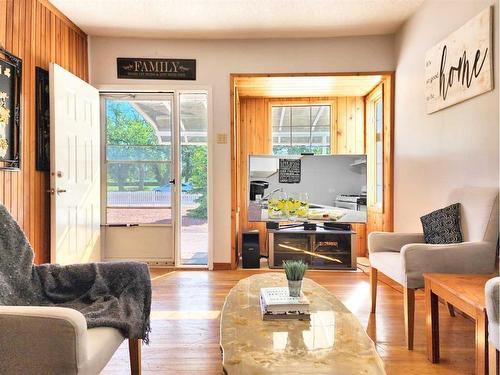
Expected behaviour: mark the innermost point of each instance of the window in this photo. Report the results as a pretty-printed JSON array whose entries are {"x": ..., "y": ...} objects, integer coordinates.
[
  {"x": 193, "y": 243},
  {"x": 138, "y": 161},
  {"x": 379, "y": 152},
  {"x": 375, "y": 148},
  {"x": 301, "y": 128}
]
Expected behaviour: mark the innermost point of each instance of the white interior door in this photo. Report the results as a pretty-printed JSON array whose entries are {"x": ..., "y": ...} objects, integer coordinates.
[{"x": 75, "y": 169}]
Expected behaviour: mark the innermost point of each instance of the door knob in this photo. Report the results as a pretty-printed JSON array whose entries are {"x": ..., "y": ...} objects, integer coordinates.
[{"x": 53, "y": 191}]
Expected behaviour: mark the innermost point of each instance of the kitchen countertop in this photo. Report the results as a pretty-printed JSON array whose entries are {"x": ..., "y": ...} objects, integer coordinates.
[{"x": 256, "y": 213}]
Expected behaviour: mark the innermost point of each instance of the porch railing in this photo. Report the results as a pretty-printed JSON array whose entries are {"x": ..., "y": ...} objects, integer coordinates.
[{"x": 147, "y": 198}]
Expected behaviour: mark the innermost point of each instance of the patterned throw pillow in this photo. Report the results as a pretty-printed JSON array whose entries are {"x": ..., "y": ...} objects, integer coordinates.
[{"x": 442, "y": 226}]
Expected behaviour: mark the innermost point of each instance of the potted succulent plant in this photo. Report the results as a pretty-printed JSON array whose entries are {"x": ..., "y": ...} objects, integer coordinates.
[{"x": 294, "y": 271}]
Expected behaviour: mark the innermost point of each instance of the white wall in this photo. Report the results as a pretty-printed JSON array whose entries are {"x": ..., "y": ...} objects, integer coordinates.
[
  {"x": 454, "y": 147},
  {"x": 216, "y": 60}
]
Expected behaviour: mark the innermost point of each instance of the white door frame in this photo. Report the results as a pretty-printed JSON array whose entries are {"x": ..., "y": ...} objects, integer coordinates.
[{"x": 176, "y": 89}]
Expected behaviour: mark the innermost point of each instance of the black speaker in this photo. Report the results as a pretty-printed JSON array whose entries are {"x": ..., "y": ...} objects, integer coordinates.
[{"x": 251, "y": 252}]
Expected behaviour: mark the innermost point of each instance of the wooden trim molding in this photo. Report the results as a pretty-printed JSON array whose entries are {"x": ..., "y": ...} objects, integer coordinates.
[
  {"x": 333, "y": 74},
  {"x": 223, "y": 266},
  {"x": 233, "y": 103}
]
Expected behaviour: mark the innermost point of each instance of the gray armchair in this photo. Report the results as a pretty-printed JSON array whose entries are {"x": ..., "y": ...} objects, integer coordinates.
[
  {"x": 67, "y": 319},
  {"x": 404, "y": 257},
  {"x": 492, "y": 298},
  {"x": 55, "y": 340}
]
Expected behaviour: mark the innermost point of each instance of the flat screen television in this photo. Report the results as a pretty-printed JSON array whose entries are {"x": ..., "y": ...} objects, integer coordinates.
[{"x": 307, "y": 188}]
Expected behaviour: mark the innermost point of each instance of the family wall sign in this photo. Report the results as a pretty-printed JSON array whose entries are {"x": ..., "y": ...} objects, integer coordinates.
[
  {"x": 153, "y": 68},
  {"x": 460, "y": 66}
]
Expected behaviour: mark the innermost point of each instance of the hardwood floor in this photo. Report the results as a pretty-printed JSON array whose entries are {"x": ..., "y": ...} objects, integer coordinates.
[{"x": 185, "y": 323}]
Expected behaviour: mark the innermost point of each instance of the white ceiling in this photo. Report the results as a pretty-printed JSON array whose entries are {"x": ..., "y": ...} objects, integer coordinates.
[{"x": 237, "y": 19}]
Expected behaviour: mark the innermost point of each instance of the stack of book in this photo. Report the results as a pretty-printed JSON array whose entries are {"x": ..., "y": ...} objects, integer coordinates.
[{"x": 276, "y": 303}]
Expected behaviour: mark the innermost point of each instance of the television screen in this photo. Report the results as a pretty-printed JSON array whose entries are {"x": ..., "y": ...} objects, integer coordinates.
[{"x": 307, "y": 188}]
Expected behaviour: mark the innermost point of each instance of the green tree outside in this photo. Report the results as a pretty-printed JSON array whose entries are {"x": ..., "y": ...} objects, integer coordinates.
[
  {"x": 130, "y": 137},
  {"x": 196, "y": 160},
  {"x": 127, "y": 134}
]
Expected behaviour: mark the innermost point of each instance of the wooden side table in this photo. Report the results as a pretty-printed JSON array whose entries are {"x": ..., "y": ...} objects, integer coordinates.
[{"x": 466, "y": 293}]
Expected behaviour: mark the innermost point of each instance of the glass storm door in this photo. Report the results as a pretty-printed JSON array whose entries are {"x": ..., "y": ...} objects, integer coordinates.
[
  {"x": 139, "y": 165},
  {"x": 192, "y": 188},
  {"x": 156, "y": 178}
]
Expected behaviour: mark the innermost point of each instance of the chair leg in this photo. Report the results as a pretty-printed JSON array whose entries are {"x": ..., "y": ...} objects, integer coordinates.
[
  {"x": 373, "y": 285},
  {"x": 493, "y": 358},
  {"x": 134, "y": 349},
  {"x": 409, "y": 307},
  {"x": 451, "y": 309}
]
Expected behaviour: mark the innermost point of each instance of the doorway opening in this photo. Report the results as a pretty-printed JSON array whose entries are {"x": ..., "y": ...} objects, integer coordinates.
[
  {"x": 319, "y": 113},
  {"x": 155, "y": 177}
]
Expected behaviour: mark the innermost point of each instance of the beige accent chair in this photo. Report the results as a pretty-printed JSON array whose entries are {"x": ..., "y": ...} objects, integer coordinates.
[
  {"x": 404, "y": 257},
  {"x": 492, "y": 298},
  {"x": 55, "y": 340}
]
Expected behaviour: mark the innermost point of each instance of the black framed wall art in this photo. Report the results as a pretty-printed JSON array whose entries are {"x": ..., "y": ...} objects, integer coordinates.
[
  {"x": 10, "y": 111},
  {"x": 42, "y": 119}
]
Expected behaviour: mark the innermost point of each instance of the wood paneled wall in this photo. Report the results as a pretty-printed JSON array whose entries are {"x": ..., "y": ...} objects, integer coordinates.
[
  {"x": 254, "y": 135},
  {"x": 37, "y": 33},
  {"x": 351, "y": 138},
  {"x": 350, "y": 128},
  {"x": 254, "y": 138}
]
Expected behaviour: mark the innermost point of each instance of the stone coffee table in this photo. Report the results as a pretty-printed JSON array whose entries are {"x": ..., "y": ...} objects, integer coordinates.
[{"x": 333, "y": 342}]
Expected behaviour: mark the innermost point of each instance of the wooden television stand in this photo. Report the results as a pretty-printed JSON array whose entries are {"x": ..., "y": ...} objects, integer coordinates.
[{"x": 329, "y": 249}]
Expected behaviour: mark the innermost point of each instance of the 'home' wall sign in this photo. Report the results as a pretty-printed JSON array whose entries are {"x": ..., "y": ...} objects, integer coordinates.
[
  {"x": 460, "y": 66},
  {"x": 146, "y": 68}
]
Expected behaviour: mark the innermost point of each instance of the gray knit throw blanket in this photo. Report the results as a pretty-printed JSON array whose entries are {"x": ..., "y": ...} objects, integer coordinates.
[{"x": 114, "y": 294}]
